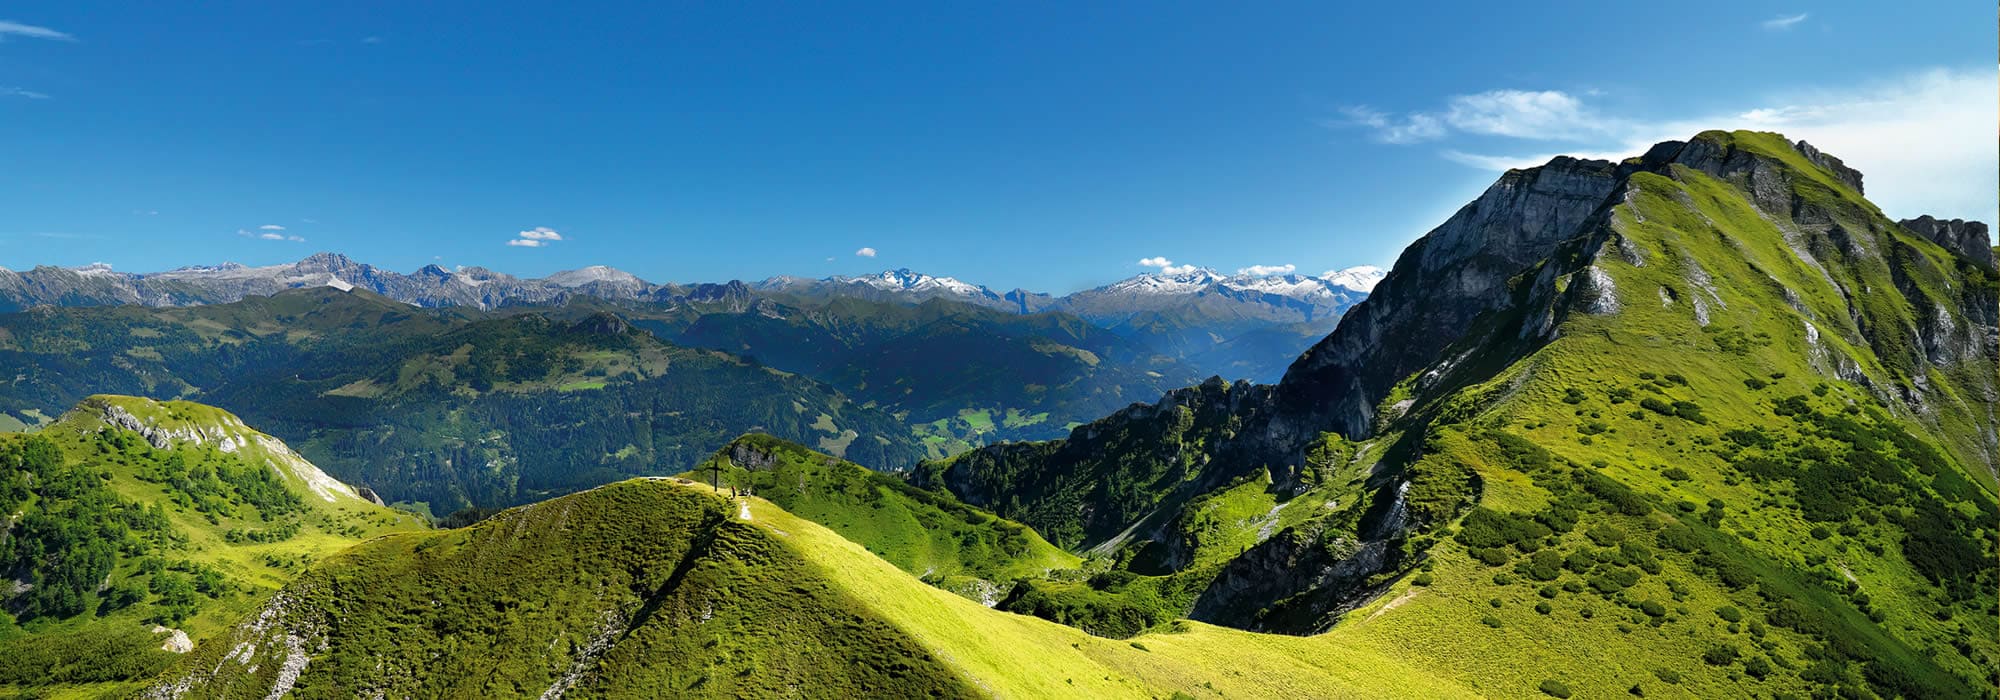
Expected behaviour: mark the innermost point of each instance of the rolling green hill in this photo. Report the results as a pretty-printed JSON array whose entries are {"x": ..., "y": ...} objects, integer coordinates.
[
  {"x": 137, "y": 525},
  {"x": 659, "y": 587},
  {"x": 1706, "y": 413},
  {"x": 929, "y": 535}
]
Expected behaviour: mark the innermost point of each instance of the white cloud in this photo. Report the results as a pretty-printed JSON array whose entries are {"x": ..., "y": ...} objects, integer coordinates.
[
  {"x": 23, "y": 93},
  {"x": 271, "y": 227},
  {"x": 541, "y": 233},
  {"x": 1167, "y": 267},
  {"x": 527, "y": 243},
  {"x": 1266, "y": 270},
  {"x": 1784, "y": 22},
  {"x": 1920, "y": 139},
  {"x": 371, "y": 40},
  {"x": 12, "y": 28},
  {"x": 296, "y": 239},
  {"x": 1523, "y": 114},
  {"x": 272, "y": 236},
  {"x": 865, "y": 252}
]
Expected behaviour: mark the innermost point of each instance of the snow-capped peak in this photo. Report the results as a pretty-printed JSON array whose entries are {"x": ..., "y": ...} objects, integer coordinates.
[
  {"x": 1360, "y": 278},
  {"x": 904, "y": 279},
  {"x": 1177, "y": 282},
  {"x": 594, "y": 273}
]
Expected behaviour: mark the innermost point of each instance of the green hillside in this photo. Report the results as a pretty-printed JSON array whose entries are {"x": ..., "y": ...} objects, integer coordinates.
[
  {"x": 931, "y": 536},
  {"x": 138, "y": 524},
  {"x": 1705, "y": 413},
  {"x": 658, "y": 587}
]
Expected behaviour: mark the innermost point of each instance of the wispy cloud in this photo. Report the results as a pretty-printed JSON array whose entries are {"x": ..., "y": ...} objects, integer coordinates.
[
  {"x": 272, "y": 227},
  {"x": 1525, "y": 114},
  {"x": 527, "y": 243},
  {"x": 1784, "y": 22},
  {"x": 10, "y": 27},
  {"x": 1921, "y": 138},
  {"x": 371, "y": 40},
  {"x": 865, "y": 252},
  {"x": 1521, "y": 114},
  {"x": 267, "y": 233},
  {"x": 1415, "y": 128},
  {"x": 1266, "y": 270},
  {"x": 23, "y": 93}
]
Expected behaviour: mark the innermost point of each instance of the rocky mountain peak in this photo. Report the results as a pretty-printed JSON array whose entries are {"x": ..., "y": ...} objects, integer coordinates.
[
  {"x": 1969, "y": 239},
  {"x": 326, "y": 262}
]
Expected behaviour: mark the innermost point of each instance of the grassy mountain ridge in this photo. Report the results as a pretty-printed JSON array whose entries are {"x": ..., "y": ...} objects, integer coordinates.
[
  {"x": 931, "y": 536},
  {"x": 1706, "y": 407},
  {"x": 657, "y": 586},
  {"x": 137, "y": 524}
]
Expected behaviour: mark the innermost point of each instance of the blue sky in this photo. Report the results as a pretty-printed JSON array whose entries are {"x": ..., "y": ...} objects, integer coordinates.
[{"x": 1043, "y": 145}]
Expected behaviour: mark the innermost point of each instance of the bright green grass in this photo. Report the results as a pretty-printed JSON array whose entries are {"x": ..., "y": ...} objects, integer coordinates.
[
  {"x": 927, "y": 534},
  {"x": 1011, "y": 655},
  {"x": 1562, "y": 398}
]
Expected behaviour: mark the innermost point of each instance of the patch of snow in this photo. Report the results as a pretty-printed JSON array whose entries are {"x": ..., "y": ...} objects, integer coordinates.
[{"x": 337, "y": 283}]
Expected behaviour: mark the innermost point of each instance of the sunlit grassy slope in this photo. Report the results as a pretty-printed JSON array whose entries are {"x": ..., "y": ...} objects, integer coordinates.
[
  {"x": 659, "y": 587},
  {"x": 1010, "y": 655},
  {"x": 1683, "y": 496},
  {"x": 190, "y": 536},
  {"x": 925, "y": 533}
]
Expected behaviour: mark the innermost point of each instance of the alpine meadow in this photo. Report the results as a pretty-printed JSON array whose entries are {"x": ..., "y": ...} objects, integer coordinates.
[{"x": 1684, "y": 405}]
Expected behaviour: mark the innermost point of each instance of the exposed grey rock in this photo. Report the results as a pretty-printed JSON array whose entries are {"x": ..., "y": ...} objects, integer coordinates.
[{"x": 1968, "y": 239}]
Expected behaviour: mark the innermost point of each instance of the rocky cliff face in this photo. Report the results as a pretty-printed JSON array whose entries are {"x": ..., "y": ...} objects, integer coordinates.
[
  {"x": 1444, "y": 281},
  {"x": 1969, "y": 239}
]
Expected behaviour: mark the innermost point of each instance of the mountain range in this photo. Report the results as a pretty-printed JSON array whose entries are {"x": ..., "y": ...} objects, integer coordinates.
[
  {"x": 1285, "y": 297},
  {"x": 1239, "y": 326}
]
